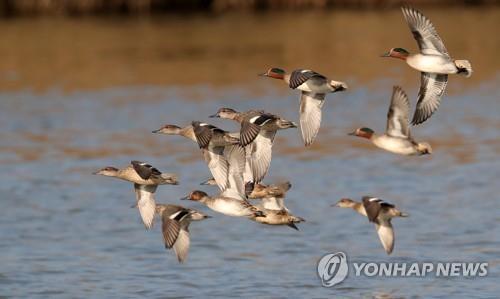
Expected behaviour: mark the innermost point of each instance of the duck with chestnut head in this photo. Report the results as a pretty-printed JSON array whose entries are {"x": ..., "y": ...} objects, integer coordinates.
[
  {"x": 228, "y": 203},
  {"x": 397, "y": 138},
  {"x": 433, "y": 61},
  {"x": 314, "y": 87}
]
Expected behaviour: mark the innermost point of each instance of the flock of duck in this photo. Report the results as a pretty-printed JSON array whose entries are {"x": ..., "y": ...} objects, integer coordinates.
[{"x": 240, "y": 161}]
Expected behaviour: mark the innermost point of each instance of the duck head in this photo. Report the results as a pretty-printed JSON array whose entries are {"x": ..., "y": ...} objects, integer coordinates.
[
  {"x": 345, "y": 203},
  {"x": 195, "y": 215},
  {"x": 226, "y": 113},
  {"x": 107, "y": 171},
  {"x": 255, "y": 190},
  {"x": 363, "y": 132},
  {"x": 397, "y": 53},
  {"x": 285, "y": 124},
  {"x": 275, "y": 73},
  {"x": 424, "y": 148},
  {"x": 196, "y": 195},
  {"x": 169, "y": 130}
]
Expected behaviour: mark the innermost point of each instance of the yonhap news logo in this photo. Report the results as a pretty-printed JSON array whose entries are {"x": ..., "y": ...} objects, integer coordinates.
[{"x": 333, "y": 268}]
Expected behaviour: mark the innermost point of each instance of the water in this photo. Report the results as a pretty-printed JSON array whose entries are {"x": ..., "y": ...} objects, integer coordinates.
[{"x": 65, "y": 233}]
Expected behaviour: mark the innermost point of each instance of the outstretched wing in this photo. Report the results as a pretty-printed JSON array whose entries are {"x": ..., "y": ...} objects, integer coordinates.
[
  {"x": 144, "y": 170},
  {"x": 214, "y": 157},
  {"x": 261, "y": 155},
  {"x": 146, "y": 203},
  {"x": 386, "y": 235},
  {"x": 251, "y": 128},
  {"x": 432, "y": 87},
  {"x": 181, "y": 245},
  {"x": 397, "y": 117},
  {"x": 298, "y": 77},
  {"x": 373, "y": 206},
  {"x": 170, "y": 229},
  {"x": 235, "y": 157},
  {"x": 204, "y": 133},
  {"x": 424, "y": 32},
  {"x": 310, "y": 115}
]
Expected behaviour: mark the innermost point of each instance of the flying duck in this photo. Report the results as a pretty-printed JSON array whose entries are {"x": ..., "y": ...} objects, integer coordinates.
[
  {"x": 146, "y": 179},
  {"x": 224, "y": 158},
  {"x": 258, "y": 129},
  {"x": 378, "y": 212},
  {"x": 314, "y": 88},
  {"x": 175, "y": 227},
  {"x": 228, "y": 203},
  {"x": 433, "y": 62},
  {"x": 397, "y": 138},
  {"x": 272, "y": 204}
]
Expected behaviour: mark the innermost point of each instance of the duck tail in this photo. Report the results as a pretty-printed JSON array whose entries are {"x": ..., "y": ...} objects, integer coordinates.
[
  {"x": 338, "y": 86},
  {"x": 403, "y": 214},
  {"x": 258, "y": 214},
  {"x": 464, "y": 68},
  {"x": 297, "y": 219}
]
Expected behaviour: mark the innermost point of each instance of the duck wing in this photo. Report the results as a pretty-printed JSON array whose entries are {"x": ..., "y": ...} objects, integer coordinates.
[
  {"x": 397, "y": 117},
  {"x": 432, "y": 87},
  {"x": 170, "y": 228},
  {"x": 204, "y": 133},
  {"x": 298, "y": 77},
  {"x": 248, "y": 174},
  {"x": 373, "y": 206},
  {"x": 251, "y": 128},
  {"x": 146, "y": 203},
  {"x": 236, "y": 159},
  {"x": 262, "y": 154},
  {"x": 424, "y": 32},
  {"x": 310, "y": 115},
  {"x": 144, "y": 170},
  {"x": 386, "y": 235},
  {"x": 181, "y": 245},
  {"x": 217, "y": 164}
]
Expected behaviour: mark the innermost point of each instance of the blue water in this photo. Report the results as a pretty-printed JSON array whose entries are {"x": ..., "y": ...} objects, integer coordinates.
[{"x": 66, "y": 233}]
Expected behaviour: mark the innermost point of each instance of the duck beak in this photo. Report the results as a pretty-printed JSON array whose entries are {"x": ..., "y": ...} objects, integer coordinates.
[
  {"x": 156, "y": 131},
  {"x": 95, "y": 172},
  {"x": 262, "y": 75},
  {"x": 387, "y": 54},
  {"x": 185, "y": 198},
  {"x": 205, "y": 182},
  {"x": 216, "y": 115},
  {"x": 352, "y": 133},
  {"x": 335, "y": 205}
]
